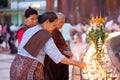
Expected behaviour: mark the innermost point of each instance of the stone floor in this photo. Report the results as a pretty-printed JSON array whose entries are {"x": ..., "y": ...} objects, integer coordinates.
[{"x": 5, "y": 62}]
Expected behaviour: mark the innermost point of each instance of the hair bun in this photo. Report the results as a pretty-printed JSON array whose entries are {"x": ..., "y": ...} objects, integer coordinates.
[{"x": 30, "y": 7}]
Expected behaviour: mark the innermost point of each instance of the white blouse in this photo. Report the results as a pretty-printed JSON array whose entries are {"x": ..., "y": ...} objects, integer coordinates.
[{"x": 50, "y": 48}]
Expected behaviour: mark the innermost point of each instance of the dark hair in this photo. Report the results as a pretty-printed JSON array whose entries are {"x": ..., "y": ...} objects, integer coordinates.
[
  {"x": 30, "y": 11},
  {"x": 51, "y": 16}
]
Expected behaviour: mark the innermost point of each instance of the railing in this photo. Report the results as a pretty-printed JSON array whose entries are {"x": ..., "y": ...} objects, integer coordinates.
[
  {"x": 113, "y": 49},
  {"x": 113, "y": 46}
]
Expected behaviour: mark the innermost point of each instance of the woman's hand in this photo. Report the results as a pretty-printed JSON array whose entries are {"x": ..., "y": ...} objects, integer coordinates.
[{"x": 82, "y": 65}]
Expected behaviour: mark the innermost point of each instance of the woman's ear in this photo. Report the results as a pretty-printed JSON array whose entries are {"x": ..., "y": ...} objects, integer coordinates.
[{"x": 47, "y": 21}]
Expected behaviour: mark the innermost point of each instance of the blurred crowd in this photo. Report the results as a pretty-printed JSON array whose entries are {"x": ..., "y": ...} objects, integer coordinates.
[
  {"x": 75, "y": 35},
  {"x": 8, "y": 40}
]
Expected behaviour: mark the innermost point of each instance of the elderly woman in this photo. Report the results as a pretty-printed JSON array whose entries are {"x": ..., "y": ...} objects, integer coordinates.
[{"x": 58, "y": 71}]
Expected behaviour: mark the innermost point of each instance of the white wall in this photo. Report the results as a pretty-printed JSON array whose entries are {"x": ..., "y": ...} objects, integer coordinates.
[{"x": 25, "y": 5}]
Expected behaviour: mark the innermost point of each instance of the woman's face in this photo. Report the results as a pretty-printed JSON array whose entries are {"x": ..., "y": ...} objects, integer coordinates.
[
  {"x": 61, "y": 22},
  {"x": 50, "y": 26},
  {"x": 31, "y": 20}
]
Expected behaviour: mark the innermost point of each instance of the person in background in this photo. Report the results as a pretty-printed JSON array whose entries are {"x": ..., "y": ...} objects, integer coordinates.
[
  {"x": 36, "y": 43},
  {"x": 5, "y": 36},
  {"x": 0, "y": 29},
  {"x": 66, "y": 32},
  {"x": 30, "y": 17},
  {"x": 53, "y": 70},
  {"x": 78, "y": 46},
  {"x": 11, "y": 42}
]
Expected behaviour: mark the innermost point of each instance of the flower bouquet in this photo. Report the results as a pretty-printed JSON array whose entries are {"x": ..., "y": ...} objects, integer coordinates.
[{"x": 97, "y": 36}]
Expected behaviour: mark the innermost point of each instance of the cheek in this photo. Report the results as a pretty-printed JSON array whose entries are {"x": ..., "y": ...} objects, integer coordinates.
[
  {"x": 53, "y": 28},
  {"x": 34, "y": 23},
  {"x": 31, "y": 24},
  {"x": 29, "y": 21}
]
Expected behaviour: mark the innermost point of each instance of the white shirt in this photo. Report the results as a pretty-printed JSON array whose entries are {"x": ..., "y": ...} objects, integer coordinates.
[
  {"x": 66, "y": 31},
  {"x": 50, "y": 48}
]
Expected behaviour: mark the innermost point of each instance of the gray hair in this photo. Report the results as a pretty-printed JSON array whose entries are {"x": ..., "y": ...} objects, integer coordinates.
[{"x": 60, "y": 15}]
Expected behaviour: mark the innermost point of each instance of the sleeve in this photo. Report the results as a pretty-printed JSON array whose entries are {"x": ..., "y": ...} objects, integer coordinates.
[{"x": 53, "y": 52}]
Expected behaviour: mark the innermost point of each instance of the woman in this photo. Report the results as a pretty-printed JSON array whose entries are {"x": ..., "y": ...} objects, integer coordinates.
[
  {"x": 53, "y": 70},
  {"x": 30, "y": 17},
  {"x": 36, "y": 43}
]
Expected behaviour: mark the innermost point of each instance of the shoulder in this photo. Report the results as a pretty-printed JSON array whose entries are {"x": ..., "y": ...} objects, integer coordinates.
[
  {"x": 21, "y": 30},
  {"x": 44, "y": 33}
]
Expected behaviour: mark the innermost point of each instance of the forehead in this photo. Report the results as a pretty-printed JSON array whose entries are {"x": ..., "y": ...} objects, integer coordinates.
[
  {"x": 56, "y": 20},
  {"x": 33, "y": 16},
  {"x": 61, "y": 19}
]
